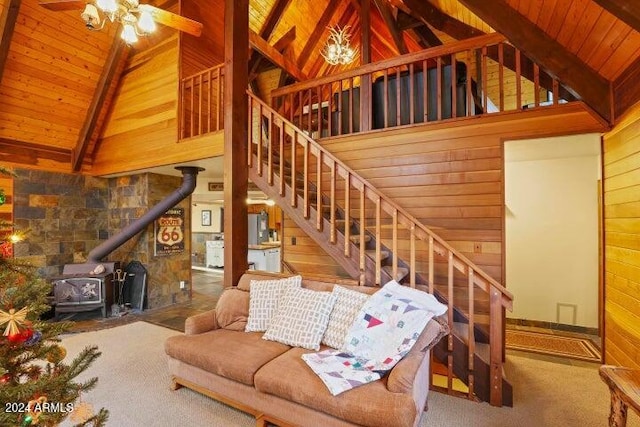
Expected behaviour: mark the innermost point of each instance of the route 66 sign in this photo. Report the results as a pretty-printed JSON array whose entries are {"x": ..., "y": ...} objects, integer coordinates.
[{"x": 169, "y": 232}]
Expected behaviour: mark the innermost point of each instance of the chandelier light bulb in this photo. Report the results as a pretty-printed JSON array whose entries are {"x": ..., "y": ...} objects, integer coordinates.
[
  {"x": 129, "y": 34},
  {"x": 146, "y": 24},
  {"x": 338, "y": 50},
  {"x": 107, "y": 6},
  {"x": 136, "y": 19}
]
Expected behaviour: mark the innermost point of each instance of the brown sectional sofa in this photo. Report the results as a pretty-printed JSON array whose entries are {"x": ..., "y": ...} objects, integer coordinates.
[{"x": 270, "y": 380}]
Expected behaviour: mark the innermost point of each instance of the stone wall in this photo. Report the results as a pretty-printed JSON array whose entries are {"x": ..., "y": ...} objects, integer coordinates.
[
  {"x": 65, "y": 216},
  {"x": 68, "y": 215}
]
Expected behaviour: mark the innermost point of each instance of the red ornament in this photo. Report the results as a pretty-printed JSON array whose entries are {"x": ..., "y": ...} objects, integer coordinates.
[
  {"x": 16, "y": 338},
  {"x": 26, "y": 334},
  {"x": 5, "y": 379}
]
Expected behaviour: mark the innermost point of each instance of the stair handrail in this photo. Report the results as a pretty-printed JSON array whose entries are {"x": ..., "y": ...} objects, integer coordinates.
[
  {"x": 396, "y": 61},
  {"x": 483, "y": 281}
]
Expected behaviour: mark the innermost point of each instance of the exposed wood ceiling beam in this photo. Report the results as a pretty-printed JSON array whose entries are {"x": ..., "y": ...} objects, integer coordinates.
[
  {"x": 387, "y": 15},
  {"x": 427, "y": 38},
  {"x": 430, "y": 14},
  {"x": 562, "y": 64},
  {"x": 29, "y": 153},
  {"x": 270, "y": 53},
  {"x": 312, "y": 41},
  {"x": 626, "y": 10},
  {"x": 275, "y": 14},
  {"x": 626, "y": 89},
  {"x": 280, "y": 45},
  {"x": 365, "y": 31},
  {"x": 7, "y": 24},
  {"x": 111, "y": 73}
]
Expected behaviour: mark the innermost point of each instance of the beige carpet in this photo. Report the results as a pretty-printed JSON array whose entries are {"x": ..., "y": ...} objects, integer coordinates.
[
  {"x": 134, "y": 386},
  {"x": 556, "y": 345}
]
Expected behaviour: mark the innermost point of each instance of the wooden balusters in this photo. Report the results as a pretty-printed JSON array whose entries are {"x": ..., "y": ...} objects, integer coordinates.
[
  {"x": 518, "y": 79},
  {"x": 294, "y": 191},
  {"x": 394, "y": 242},
  {"x": 283, "y": 134},
  {"x": 378, "y": 238},
  {"x": 412, "y": 256},
  {"x": 305, "y": 177},
  {"x": 501, "y": 73},
  {"x": 271, "y": 128},
  {"x": 319, "y": 217},
  {"x": 347, "y": 214},
  {"x": 431, "y": 265},
  {"x": 536, "y": 84},
  {"x": 332, "y": 215},
  {"x": 260, "y": 139},
  {"x": 439, "y": 87},
  {"x": 250, "y": 133},
  {"x": 362, "y": 234},
  {"x": 471, "y": 339},
  {"x": 411, "y": 94},
  {"x": 450, "y": 320},
  {"x": 453, "y": 82}
]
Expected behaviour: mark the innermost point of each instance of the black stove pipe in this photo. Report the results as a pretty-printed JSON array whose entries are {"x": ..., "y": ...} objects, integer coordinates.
[{"x": 189, "y": 174}]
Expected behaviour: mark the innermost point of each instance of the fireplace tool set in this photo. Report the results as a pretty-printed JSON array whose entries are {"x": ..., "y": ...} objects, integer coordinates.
[{"x": 120, "y": 308}]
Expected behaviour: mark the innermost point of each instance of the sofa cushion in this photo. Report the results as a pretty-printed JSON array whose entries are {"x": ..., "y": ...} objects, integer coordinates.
[
  {"x": 232, "y": 309},
  {"x": 302, "y": 318},
  {"x": 347, "y": 306},
  {"x": 370, "y": 405},
  {"x": 231, "y": 354},
  {"x": 264, "y": 297}
]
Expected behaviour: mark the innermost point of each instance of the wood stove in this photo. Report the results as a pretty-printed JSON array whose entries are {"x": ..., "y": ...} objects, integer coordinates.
[{"x": 85, "y": 287}]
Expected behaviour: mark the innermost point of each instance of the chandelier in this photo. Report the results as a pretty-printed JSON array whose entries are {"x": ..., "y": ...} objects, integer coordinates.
[
  {"x": 338, "y": 49},
  {"x": 135, "y": 18}
]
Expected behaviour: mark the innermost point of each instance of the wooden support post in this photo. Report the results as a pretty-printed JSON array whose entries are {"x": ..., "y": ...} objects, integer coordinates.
[
  {"x": 365, "y": 57},
  {"x": 236, "y": 176}
]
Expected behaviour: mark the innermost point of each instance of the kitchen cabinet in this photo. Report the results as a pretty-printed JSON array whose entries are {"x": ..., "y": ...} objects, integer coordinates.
[{"x": 265, "y": 258}]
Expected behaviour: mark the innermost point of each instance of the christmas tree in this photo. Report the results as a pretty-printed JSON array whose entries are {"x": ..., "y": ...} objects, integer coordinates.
[{"x": 36, "y": 387}]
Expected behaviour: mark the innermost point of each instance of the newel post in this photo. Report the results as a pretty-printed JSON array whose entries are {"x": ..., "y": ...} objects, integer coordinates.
[{"x": 496, "y": 340}]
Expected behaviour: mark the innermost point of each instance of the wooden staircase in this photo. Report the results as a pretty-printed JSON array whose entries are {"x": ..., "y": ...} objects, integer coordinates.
[{"x": 376, "y": 240}]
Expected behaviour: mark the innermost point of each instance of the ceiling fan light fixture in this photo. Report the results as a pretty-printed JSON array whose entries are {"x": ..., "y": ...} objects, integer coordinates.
[
  {"x": 107, "y": 6},
  {"x": 146, "y": 24},
  {"x": 129, "y": 34},
  {"x": 91, "y": 17}
]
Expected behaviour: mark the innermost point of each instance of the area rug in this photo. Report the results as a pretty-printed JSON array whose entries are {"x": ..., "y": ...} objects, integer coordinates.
[
  {"x": 133, "y": 384},
  {"x": 555, "y": 345}
]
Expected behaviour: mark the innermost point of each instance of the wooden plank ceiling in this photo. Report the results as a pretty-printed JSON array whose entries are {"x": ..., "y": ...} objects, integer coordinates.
[{"x": 58, "y": 79}]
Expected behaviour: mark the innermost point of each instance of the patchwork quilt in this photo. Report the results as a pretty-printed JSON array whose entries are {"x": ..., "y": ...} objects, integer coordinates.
[{"x": 385, "y": 329}]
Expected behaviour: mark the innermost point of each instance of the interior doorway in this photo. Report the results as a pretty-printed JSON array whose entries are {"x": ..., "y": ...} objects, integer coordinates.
[{"x": 551, "y": 231}]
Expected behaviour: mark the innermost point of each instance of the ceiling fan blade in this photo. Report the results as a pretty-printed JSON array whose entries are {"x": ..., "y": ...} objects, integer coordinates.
[
  {"x": 173, "y": 20},
  {"x": 62, "y": 4}
]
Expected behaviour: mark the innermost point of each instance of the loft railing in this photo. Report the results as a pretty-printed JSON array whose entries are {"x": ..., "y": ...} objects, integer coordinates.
[
  {"x": 296, "y": 167},
  {"x": 200, "y": 106},
  {"x": 472, "y": 77}
]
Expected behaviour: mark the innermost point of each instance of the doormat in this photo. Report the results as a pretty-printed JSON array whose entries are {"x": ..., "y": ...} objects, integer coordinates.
[{"x": 555, "y": 345}]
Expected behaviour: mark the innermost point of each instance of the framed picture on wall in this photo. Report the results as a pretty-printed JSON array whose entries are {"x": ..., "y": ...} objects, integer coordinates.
[{"x": 206, "y": 217}]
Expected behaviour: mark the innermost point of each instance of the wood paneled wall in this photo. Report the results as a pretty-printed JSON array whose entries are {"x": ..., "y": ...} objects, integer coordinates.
[
  {"x": 449, "y": 176},
  {"x": 622, "y": 242},
  {"x": 6, "y": 209},
  {"x": 142, "y": 130}
]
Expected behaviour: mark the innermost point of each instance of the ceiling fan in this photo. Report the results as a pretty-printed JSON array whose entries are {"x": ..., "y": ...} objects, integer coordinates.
[{"x": 136, "y": 19}]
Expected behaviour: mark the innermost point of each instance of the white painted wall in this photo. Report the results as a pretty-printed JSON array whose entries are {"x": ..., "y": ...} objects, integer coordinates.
[
  {"x": 196, "y": 218},
  {"x": 551, "y": 197}
]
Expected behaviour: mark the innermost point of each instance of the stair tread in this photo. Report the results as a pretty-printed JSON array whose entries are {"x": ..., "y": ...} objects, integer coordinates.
[
  {"x": 356, "y": 239},
  {"x": 383, "y": 254},
  {"x": 402, "y": 272}
]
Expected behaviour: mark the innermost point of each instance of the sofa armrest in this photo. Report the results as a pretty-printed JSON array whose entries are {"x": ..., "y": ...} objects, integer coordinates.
[
  {"x": 402, "y": 378},
  {"x": 201, "y": 323}
]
